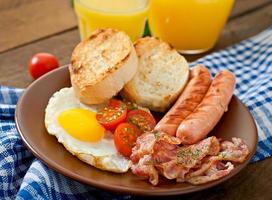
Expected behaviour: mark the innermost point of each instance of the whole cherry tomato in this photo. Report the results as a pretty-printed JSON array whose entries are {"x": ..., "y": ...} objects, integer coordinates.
[{"x": 42, "y": 63}]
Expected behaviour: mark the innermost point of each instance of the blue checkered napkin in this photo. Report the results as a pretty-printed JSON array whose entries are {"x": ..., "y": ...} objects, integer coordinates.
[{"x": 24, "y": 177}]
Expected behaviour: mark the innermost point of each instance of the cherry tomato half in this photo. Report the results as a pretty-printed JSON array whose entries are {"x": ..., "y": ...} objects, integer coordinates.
[
  {"x": 142, "y": 119},
  {"x": 42, "y": 63},
  {"x": 112, "y": 115},
  {"x": 125, "y": 136}
]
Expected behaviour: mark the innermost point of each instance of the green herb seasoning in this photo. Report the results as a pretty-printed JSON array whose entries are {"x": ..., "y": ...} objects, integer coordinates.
[
  {"x": 157, "y": 134},
  {"x": 188, "y": 156}
]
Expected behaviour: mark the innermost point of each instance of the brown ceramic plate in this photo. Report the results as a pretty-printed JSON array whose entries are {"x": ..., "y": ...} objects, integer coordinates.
[{"x": 29, "y": 117}]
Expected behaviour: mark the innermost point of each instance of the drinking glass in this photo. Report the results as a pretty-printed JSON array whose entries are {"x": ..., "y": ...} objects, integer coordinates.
[
  {"x": 191, "y": 26},
  {"x": 127, "y": 15}
]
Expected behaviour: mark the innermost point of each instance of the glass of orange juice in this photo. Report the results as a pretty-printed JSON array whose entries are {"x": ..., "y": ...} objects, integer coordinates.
[
  {"x": 127, "y": 15},
  {"x": 191, "y": 26}
]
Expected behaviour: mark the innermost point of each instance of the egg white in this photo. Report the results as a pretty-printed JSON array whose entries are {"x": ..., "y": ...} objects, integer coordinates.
[{"x": 102, "y": 154}]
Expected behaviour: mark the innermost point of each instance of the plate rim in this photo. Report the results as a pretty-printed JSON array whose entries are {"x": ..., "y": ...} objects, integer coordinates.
[{"x": 122, "y": 189}]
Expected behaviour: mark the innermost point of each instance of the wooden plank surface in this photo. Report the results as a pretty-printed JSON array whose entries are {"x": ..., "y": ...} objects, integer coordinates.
[
  {"x": 244, "y": 6},
  {"x": 13, "y": 4},
  {"x": 249, "y": 17},
  {"x": 246, "y": 26},
  {"x": 26, "y": 21},
  {"x": 14, "y": 62},
  {"x": 51, "y": 17},
  {"x": 13, "y": 66}
]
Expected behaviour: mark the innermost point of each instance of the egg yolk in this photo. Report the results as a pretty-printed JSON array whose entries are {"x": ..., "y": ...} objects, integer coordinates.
[{"x": 81, "y": 124}]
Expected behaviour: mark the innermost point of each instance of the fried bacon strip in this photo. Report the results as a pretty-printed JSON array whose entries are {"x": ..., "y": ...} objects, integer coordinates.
[
  {"x": 235, "y": 151},
  {"x": 158, "y": 153},
  {"x": 146, "y": 169},
  {"x": 216, "y": 171}
]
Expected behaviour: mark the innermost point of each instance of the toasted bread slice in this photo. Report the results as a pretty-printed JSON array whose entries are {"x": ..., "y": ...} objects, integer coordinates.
[
  {"x": 161, "y": 76},
  {"x": 101, "y": 65}
]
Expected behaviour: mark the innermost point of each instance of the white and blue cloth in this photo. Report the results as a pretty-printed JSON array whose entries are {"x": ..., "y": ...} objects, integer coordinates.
[{"x": 22, "y": 176}]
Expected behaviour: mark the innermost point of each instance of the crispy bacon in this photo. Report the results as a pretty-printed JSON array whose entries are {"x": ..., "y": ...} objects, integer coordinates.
[
  {"x": 216, "y": 171},
  {"x": 165, "y": 158},
  {"x": 144, "y": 146},
  {"x": 174, "y": 162},
  {"x": 190, "y": 155},
  {"x": 235, "y": 151},
  {"x": 142, "y": 154},
  {"x": 145, "y": 168},
  {"x": 158, "y": 153}
]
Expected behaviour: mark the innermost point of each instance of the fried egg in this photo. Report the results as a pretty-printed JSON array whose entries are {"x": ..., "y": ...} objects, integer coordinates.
[{"x": 75, "y": 126}]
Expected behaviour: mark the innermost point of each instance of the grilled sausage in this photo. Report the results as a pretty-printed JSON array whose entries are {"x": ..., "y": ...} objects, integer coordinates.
[
  {"x": 207, "y": 114},
  {"x": 192, "y": 95}
]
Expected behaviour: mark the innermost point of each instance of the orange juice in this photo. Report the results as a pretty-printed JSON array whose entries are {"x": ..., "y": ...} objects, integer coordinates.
[
  {"x": 191, "y": 26},
  {"x": 127, "y": 15}
]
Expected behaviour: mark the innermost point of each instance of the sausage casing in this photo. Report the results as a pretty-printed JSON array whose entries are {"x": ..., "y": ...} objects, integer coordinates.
[
  {"x": 191, "y": 96},
  {"x": 207, "y": 114}
]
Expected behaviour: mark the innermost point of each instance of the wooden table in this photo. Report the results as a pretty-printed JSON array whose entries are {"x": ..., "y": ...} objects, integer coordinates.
[{"x": 31, "y": 26}]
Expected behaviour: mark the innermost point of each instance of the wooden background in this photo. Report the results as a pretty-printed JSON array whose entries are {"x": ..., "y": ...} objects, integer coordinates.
[{"x": 31, "y": 26}]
